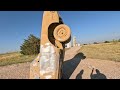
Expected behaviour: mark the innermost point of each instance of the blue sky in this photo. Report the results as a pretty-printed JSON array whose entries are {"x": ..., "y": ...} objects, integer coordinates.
[{"x": 87, "y": 26}]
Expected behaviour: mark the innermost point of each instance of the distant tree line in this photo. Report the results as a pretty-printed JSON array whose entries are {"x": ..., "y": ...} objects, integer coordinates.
[{"x": 112, "y": 41}]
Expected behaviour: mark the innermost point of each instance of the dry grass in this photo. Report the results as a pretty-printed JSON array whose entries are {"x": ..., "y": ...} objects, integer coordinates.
[
  {"x": 15, "y": 57},
  {"x": 9, "y": 55},
  {"x": 106, "y": 51}
]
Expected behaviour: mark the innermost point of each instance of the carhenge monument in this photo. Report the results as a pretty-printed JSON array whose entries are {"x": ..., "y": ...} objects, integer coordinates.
[{"x": 54, "y": 35}]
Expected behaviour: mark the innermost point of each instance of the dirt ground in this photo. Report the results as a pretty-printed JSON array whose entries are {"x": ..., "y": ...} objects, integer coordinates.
[{"x": 76, "y": 66}]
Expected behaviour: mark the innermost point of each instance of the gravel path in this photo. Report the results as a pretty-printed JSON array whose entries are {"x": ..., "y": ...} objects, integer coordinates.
[
  {"x": 15, "y": 71},
  {"x": 76, "y": 66}
]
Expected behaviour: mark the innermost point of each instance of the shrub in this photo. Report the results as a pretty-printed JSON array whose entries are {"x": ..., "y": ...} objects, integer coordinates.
[
  {"x": 95, "y": 43},
  {"x": 107, "y": 42},
  {"x": 30, "y": 46}
]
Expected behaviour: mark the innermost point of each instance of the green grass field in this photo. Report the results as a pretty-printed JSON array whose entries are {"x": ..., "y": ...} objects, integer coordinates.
[{"x": 106, "y": 51}]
